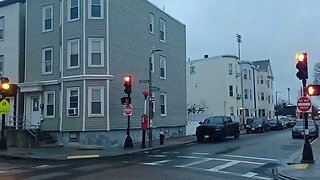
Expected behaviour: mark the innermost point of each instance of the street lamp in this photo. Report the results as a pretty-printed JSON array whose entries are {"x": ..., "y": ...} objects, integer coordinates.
[
  {"x": 242, "y": 109},
  {"x": 151, "y": 60},
  {"x": 277, "y": 103}
]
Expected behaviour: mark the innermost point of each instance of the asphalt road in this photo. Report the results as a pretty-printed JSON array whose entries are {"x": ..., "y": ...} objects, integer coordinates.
[{"x": 250, "y": 157}]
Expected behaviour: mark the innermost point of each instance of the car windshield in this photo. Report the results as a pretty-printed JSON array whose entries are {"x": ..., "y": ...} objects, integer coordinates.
[
  {"x": 272, "y": 121},
  {"x": 254, "y": 121},
  {"x": 217, "y": 120}
]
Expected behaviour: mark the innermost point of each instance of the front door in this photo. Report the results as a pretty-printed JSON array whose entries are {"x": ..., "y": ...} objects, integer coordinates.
[{"x": 35, "y": 111}]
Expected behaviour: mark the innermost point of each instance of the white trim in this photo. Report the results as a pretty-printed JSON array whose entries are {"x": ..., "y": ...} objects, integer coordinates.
[
  {"x": 1, "y": 39},
  {"x": 70, "y": 42},
  {"x": 165, "y": 67},
  {"x": 153, "y": 95},
  {"x": 165, "y": 104},
  {"x": 84, "y": 106},
  {"x": 43, "y": 18},
  {"x": 90, "y": 88},
  {"x": 101, "y": 40},
  {"x": 89, "y": 10},
  {"x": 87, "y": 76},
  {"x": 43, "y": 61},
  {"x": 108, "y": 69},
  {"x": 164, "y": 30},
  {"x": 84, "y": 38},
  {"x": 151, "y": 21},
  {"x": 69, "y": 11},
  {"x": 108, "y": 104},
  {"x": 68, "y": 99},
  {"x": 61, "y": 102},
  {"x": 25, "y": 48},
  {"x": 152, "y": 62},
  {"x": 46, "y": 103}
]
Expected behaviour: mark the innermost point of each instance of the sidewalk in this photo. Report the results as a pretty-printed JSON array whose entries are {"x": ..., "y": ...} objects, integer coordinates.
[
  {"x": 295, "y": 170},
  {"x": 78, "y": 151}
]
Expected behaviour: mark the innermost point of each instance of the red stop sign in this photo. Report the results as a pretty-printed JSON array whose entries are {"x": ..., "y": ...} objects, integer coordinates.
[
  {"x": 304, "y": 104},
  {"x": 127, "y": 110}
]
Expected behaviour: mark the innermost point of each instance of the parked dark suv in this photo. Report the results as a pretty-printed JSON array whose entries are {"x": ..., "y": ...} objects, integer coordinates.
[
  {"x": 217, "y": 127},
  {"x": 258, "y": 124}
]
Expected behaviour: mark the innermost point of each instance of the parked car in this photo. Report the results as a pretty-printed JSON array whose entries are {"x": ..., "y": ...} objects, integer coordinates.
[
  {"x": 286, "y": 122},
  {"x": 298, "y": 129},
  {"x": 275, "y": 124},
  {"x": 217, "y": 127},
  {"x": 257, "y": 125}
]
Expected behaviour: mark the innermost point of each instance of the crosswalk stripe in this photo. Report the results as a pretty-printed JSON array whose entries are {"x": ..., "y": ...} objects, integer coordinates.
[
  {"x": 199, "y": 153},
  {"x": 218, "y": 168},
  {"x": 192, "y": 164},
  {"x": 220, "y": 159},
  {"x": 156, "y": 162},
  {"x": 157, "y": 156},
  {"x": 250, "y": 174},
  {"x": 250, "y": 157}
]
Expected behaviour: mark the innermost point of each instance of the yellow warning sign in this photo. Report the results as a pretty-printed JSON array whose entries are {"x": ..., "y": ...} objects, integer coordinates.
[{"x": 4, "y": 106}]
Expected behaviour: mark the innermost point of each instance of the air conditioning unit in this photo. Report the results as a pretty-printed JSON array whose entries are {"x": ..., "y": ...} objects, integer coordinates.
[
  {"x": 238, "y": 74},
  {"x": 73, "y": 111}
]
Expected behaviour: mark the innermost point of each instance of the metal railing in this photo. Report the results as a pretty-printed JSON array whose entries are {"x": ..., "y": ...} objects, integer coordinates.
[{"x": 21, "y": 122}]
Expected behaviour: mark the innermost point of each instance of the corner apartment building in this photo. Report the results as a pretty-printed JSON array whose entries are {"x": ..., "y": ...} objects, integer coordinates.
[
  {"x": 77, "y": 55},
  {"x": 248, "y": 88},
  {"x": 215, "y": 84},
  {"x": 12, "y": 49}
]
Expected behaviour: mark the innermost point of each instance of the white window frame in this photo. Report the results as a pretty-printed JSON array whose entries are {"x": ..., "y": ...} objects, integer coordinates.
[
  {"x": 151, "y": 23},
  {"x": 90, "y": 52},
  {"x": 68, "y": 100},
  {"x": 2, "y": 28},
  {"x": 153, "y": 95},
  {"x": 90, "y": 88},
  {"x": 69, "y": 54},
  {"x": 164, "y": 30},
  {"x": 232, "y": 111},
  {"x": 165, "y": 104},
  {"x": 165, "y": 67},
  {"x": 44, "y": 18},
  {"x": 69, "y": 11},
  {"x": 230, "y": 69},
  {"x": 44, "y": 61},
  {"x": 46, "y": 104},
  {"x": 90, "y": 10}
]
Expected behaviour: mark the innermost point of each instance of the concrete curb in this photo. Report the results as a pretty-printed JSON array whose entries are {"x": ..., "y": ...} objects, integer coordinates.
[{"x": 279, "y": 173}]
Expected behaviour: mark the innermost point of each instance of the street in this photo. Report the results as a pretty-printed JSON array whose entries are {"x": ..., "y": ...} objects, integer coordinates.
[{"x": 251, "y": 157}]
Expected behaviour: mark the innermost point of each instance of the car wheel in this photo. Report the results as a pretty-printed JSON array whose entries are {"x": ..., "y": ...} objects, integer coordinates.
[
  {"x": 262, "y": 130},
  {"x": 248, "y": 132},
  {"x": 199, "y": 139},
  {"x": 223, "y": 137},
  {"x": 236, "y": 136}
]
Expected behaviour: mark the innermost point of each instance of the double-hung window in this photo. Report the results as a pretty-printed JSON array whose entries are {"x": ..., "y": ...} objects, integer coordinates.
[
  {"x": 245, "y": 74},
  {"x": 151, "y": 23},
  {"x": 73, "y": 53},
  {"x": 163, "y": 67},
  {"x": 73, "y": 101},
  {"x": 1, "y": 28},
  {"x": 73, "y": 10},
  {"x": 47, "y": 18},
  {"x": 1, "y": 64},
  {"x": 231, "y": 91},
  {"x": 96, "y": 52},
  {"x": 163, "y": 104},
  {"x": 162, "y": 30},
  {"x": 49, "y": 102},
  {"x": 96, "y": 9},
  {"x": 246, "y": 94},
  {"x": 230, "y": 69},
  {"x": 96, "y": 102},
  {"x": 47, "y": 59}
]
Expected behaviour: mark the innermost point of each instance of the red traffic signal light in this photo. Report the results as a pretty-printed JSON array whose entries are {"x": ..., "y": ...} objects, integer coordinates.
[
  {"x": 302, "y": 66},
  {"x": 312, "y": 90},
  {"x": 127, "y": 84}
]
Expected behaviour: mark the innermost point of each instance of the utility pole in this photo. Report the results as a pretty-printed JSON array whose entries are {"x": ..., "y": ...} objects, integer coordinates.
[
  {"x": 288, "y": 95},
  {"x": 238, "y": 36},
  {"x": 277, "y": 104}
]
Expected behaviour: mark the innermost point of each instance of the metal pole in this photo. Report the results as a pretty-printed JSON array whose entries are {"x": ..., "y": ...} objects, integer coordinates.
[
  {"x": 128, "y": 144},
  {"x": 288, "y": 95},
  {"x": 150, "y": 102},
  {"x": 241, "y": 72},
  {"x": 3, "y": 143},
  {"x": 143, "y": 142},
  {"x": 307, "y": 155}
]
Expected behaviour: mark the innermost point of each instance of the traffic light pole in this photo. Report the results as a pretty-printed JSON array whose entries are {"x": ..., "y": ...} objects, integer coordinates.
[
  {"x": 307, "y": 155},
  {"x": 150, "y": 102},
  {"x": 3, "y": 142},
  {"x": 128, "y": 144}
]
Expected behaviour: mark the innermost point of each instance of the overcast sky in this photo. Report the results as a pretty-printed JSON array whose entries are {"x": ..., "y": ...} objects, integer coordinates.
[{"x": 270, "y": 29}]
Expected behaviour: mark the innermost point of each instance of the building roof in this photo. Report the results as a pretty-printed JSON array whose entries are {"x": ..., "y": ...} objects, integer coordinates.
[
  {"x": 8, "y": 2},
  {"x": 263, "y": 64},
  {"x": 214, "y": 58}
]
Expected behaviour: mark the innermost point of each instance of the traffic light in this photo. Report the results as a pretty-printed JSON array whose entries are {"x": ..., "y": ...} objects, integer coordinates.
[
  {"x": 312, "y": 90},
  {"x": 127, "y": 84},
  {"x": 302, "y": 66},
  {"x": 7, "y": 89},
  {"x": 126, "y": 100}
]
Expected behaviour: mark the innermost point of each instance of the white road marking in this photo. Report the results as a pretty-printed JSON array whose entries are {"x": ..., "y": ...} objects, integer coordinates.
[
  {"x": 196, "y": 153},
  {"x": 41, "y": 166},
  {"x": 219, "y": 159},
  {"x": 156, "y": 163},
  {"x": 174, "y": 152},
  {"x": 157, "y": 155},
  {"x": 250, "y": 174},
  {"x": 263, "y": 178},
  {"x": 218, "y": 168},
  {"x": 194, "y": 163},
  {"x": 250, "y": 157}
]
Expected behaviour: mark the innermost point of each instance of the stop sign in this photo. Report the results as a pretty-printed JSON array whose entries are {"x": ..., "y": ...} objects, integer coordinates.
[
  {"x": 304, "y": 104},
  {"x": 127, "y": 110}
]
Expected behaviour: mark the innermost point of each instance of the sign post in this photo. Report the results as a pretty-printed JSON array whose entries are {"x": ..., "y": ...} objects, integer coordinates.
[{"x": 4, "y": 109}]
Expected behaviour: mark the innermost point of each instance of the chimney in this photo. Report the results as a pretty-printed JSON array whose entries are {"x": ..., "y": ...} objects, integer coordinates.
[{"x": 206, "y": 56}]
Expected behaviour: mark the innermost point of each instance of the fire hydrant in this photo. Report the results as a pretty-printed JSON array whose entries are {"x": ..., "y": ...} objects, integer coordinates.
[{"x": 161, "y": 136}]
